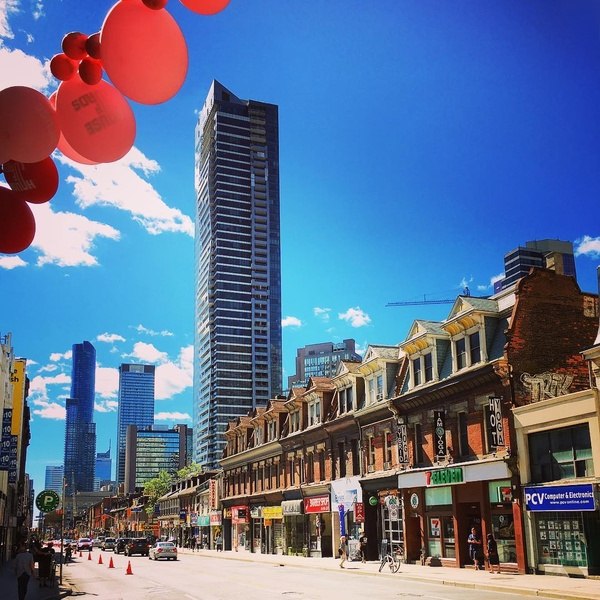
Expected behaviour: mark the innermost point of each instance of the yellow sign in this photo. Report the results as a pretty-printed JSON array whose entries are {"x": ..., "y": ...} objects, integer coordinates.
[
  {"x": 272, "y": 512},
  {"x": 17, "y": 378}
]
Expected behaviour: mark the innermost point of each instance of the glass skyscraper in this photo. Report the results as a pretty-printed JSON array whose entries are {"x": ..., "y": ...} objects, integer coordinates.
[
  {"x": 103, "y": 468},
  {"x": 237, "y": 363},
  {"x": 54, "y": 479},
  {"x": 136, "y": 406},
  {"x": 80, "y": 436}
]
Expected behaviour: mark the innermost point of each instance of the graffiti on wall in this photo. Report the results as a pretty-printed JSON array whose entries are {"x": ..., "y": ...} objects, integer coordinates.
[{"x": 546, "y": 385}]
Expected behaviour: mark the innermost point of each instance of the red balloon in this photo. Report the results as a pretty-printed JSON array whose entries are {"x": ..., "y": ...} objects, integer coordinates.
[
  {"x": 65, "y": 148},
  {"x": 17, "y": 224},
  {"x": 28, "y": 125},
  {"x": 73, "y": 45},
  {"x": 33, "y": 182},
  {"x": 155, "y": 4},
  {"x": 96, "y": 120},
  {"x": 90, "y": 70},
  {"x": 143, "y": 52},
  {"x": 205, "y": 7},
  {"x": 92, "y": 45},
  {"x": 62, "y": 67}
]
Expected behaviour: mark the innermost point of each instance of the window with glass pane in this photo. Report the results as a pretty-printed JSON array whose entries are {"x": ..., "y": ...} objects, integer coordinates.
[
  {"x": 342, "y": 401},
  {"x": 428, "y": 360},
  {"x": 371, "y": 451},
  {"x": 460, "y": 348},
  {"x": 418, "y": 444},
  {"x": 463, "y": 439},
  {"x": 475, "y": 348},
  {"x": 379, "y": 387},
  {"x": 561, "y": 454},
  {"x": 416, "y": 365},
  {"x": 349, "y": 399}
]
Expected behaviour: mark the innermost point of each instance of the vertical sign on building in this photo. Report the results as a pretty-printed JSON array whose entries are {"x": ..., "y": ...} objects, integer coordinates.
[
  {"x": 402, "y": 444},
  {"x": 439, "y": 429},
  {"x": 212, "y": 497},
  {"x": 5, "y": 439},
  {"x": 496, "y": 428}
]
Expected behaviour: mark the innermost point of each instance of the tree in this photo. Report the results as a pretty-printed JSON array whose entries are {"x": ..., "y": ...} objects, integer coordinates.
[
  {"x": 192, "y": 469},
  {"x": 155, "y": 488}
]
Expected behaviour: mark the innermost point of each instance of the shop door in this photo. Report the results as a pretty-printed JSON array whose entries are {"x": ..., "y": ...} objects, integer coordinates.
[{"x": 468, "y": 516}]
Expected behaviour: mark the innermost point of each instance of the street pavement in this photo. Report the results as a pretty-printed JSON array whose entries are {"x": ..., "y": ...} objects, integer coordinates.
[{"x": 530, "y": 585}]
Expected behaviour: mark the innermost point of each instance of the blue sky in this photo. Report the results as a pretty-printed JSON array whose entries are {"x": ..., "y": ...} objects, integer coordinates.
[{"x": 420, "y": 141}]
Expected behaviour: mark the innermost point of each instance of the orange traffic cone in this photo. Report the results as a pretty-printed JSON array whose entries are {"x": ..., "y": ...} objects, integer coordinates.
[
  {"x": 89, "y": 556},
  {"x": 80, "y": 555},
  {"x": 110, "y": 564},
  {"x": 129, "y": 571},
  {"x": 99, "y": 559}
]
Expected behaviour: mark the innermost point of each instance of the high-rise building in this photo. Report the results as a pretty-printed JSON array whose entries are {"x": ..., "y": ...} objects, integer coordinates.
[
  {"x": 237, "y": 363},
  {"x": 136, "y": 406},
  {"x": 103, "y": 469},
  {"x": 556, "y": 255},
  {"x": 80, "y": 437},
  {"x": 321, "y": 360},
  {"x": 54, "y": 478},
  {"x": 151, "y": 450}
]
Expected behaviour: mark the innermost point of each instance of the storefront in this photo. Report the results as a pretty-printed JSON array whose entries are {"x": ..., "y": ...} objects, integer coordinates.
[
  {"x": 273, "y": 524},
  {"x": 563, "y": 522},
  {"x": 446, "y": 503},
  {"x": 295, "y": 527},
  {"x": 318, "y": 514},
  {"x": 257, "y": 528},
  {"x": 346, "y": 506},
  {"x": 240, "y": 528},
  {"x": 216, "y": 527}
]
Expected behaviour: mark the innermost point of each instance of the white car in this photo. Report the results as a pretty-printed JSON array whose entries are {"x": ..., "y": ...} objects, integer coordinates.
[
  {"x": 85, "y": 544},
  {"x": 166, "y": 550}
]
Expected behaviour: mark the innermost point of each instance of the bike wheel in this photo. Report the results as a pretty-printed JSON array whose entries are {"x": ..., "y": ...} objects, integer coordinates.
[
  {"x": 383, "y": 563},
  {"x": 394, "y": 565}
]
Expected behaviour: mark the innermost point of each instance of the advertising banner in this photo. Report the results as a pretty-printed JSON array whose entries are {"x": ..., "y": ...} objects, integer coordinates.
[
  {"x": 5, "y": 439},
  {"x": 439, "y": 428},
  {"x": 560, "y": 498},
  {"x": 403, "y": 458},
  {"x": 316, "y": 504},
  {"x": 496, "y": 428}
]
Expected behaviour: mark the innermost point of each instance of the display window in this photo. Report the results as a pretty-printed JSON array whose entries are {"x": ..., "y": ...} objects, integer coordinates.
[
  {"x": 561, "y": 539},
  {"x": 441, "y": 542},
  {"x": 503, "y": 526},
  {"x": 391, "y": 521}
]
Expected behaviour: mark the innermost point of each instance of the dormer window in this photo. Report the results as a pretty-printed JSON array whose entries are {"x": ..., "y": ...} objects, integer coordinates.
[
  {"x": 475, "y": 348},
  {"x": 460, "y": 347},
  {"x": 295, "y": 421},
  {"x": 428, "y": 362},
  {"x": 467, "y": 350},
  {"x": 422, "y": 369},
  {"x": 416, "y": 369},
  {"x": 272, "y": 430},
  {"x": 346, "y": 400},
  {"x": 259, "y": 435},
  {"x": 314, "y": 412}
]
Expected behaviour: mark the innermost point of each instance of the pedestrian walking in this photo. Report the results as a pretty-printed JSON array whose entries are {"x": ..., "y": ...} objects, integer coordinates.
[
  {"x": 193, "y": 543},
  {"x": 492, "y": 553},
  {"x": 219, "y": 542},
  {"x": 24, "y": 569},
  {"x": 362, "y": 540},
  {"x": 343, "y": 551},
  {"x": 475, "y": 548}
]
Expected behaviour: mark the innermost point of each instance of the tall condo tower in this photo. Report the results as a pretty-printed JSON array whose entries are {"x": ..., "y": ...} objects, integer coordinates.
[
  {"x": 80, "y": 437},
  {"x": 237, "y": 362},
  {"x": 136, "y": 406}
]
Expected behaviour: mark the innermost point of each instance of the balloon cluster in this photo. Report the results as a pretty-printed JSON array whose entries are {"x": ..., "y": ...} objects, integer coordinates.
[{"x": 141, "y": 49}]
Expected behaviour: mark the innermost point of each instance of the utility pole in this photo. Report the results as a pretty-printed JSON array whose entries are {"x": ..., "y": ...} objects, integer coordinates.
[{"x": 62, "y": 531}]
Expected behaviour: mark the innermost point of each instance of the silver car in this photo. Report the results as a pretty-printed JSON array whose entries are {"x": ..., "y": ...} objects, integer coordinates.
[
  {"x": 166, "y": 550},
  {"x": 108, "y": 543}
]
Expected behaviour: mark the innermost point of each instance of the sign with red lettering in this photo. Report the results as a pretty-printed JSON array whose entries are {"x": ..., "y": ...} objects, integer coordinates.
[
  {"x": 359, "y": 512},
  {"x": 316, "y": 504}
]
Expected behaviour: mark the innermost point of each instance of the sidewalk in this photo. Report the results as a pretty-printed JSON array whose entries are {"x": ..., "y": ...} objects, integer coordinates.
[
  {"x": 8, "y": 585},
  {"x": 530, "y": 585}
]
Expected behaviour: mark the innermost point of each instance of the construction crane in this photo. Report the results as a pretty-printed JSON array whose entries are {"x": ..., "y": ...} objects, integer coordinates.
[{"x": 466, "y": 292}]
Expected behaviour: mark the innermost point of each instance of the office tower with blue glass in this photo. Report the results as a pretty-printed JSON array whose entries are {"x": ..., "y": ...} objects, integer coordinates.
[
  {"x": 237, "y": 362},
  {"x": 136, "y": 406},
  {"x": 54, "y": 478},
  {"x": 80, "y": 436},
  {"x": 103, "y": 469}
]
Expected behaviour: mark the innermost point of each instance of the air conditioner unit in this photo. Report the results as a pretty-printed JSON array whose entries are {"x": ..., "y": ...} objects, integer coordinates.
[{"x": 370, "y": 468}]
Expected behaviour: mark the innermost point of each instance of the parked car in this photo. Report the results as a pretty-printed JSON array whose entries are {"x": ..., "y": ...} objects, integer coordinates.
[
  {"x": 120, "y": 545},
  {"x": 139, "y": 546},
  {"x": 108, "y": 544},
  {"x": 166, "y": 550},
  {"x": 85, "y": 544}
]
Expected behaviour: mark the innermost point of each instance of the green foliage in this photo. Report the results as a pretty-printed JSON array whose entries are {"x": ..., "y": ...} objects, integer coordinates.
[
  {"x": 155, "y": 488},
  {"x": 192, "y": 469}
]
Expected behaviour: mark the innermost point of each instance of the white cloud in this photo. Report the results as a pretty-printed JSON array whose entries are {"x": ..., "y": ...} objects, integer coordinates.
[
  {"x": 56, "y": 356},
  {"x": 118, "y": 184},
  {"x": 66, "y": 239},
  {"x": 48, "y": 369},
  {"x": 147, "y": 353},
  {"x": 323, "y": 313},
  {"x": 172, "y": 416},
  {"x": 11, "y": 262},
  {"x": 107, "y": 381},
  {"x": 110, "y": 338},
  {"x": 174, "y": 377},
  {"x": 39, "y": 385},
  {"x": 19, "y": 68},
  {"x": 38, "y": 10},
  {"x": 7, "y": 7},
  {"x": 483, "y": 288},
  {"x": 50, "y": 410},
  {"x": 356, "y": 317},
  {"x": 362, "y": 348},
  {"x": 588, "y": 246},
  {"x": 291, "y": 322},
  {"x": 106, "y": 406},
  {"x": 141, "y": 329}
]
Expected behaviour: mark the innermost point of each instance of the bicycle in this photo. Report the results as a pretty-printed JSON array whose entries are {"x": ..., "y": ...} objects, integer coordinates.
[{"x": 392, "y": 559}]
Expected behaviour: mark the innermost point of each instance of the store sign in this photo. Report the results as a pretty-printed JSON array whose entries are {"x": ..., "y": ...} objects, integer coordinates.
[
  {"x": 414, "y": 501},
  {"x": 359, "y": 512},
  {"x": 560, "y": 497},
  {"x": 403, "y": 458},
  {"x": 215, "y": 518},
  {"x": 291, "y": 507},
  {"x": 5, "y": 439},
  {"x": 444, "y": 476},
  {"x": 212, "y": 494},
  {"x": 203, "y": 521},
  {"x": 316, "y": 504},
  {"x": 239, "y": 514},
  {"x": 227, "y": 513},
  {"x": 439, "y": 429},
  {"x": 496, "y": 428},
  {"x": 255, "y": 512},
  {"x": 272, "y": 512}
]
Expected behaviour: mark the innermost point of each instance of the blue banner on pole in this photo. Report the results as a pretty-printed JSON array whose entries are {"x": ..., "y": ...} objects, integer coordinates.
[{"x": 342, "y": 519}]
